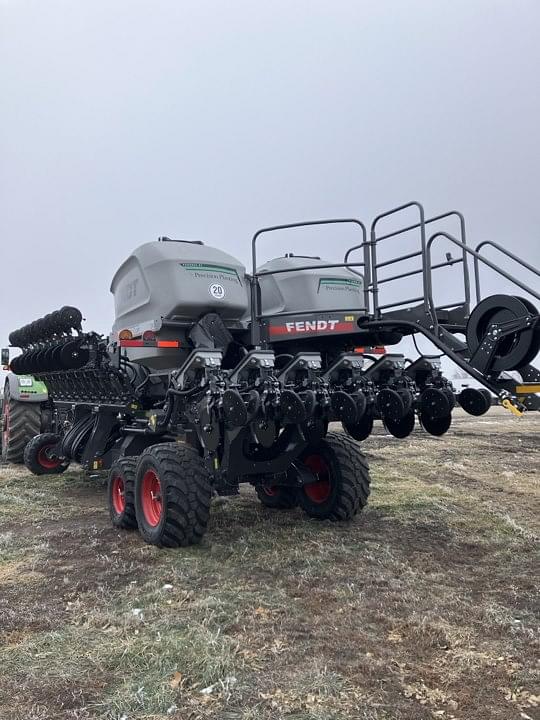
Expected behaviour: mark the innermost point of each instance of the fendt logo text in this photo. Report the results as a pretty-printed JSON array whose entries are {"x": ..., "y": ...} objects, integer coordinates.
[{"x": 311, "y": 325}]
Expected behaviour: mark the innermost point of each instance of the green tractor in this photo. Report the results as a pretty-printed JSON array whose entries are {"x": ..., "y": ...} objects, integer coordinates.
[{"x": 25, "y": 412}]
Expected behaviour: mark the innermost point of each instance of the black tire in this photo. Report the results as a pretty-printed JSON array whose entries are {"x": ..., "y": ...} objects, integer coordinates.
[
  {"x": 343, "y": 488},
  {"x": 121, "y": 493},
  {"x": 21, "y": 421},
  {"x": 279, "y": 497},
  {"x": 172, "y": 495},
  {"x": 39, "y": 461}
]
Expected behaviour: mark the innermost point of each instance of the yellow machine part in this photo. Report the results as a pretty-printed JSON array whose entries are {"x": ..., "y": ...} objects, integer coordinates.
[
  {"x": 509, "y": 405},
  {"x": 528, "y": 388}
]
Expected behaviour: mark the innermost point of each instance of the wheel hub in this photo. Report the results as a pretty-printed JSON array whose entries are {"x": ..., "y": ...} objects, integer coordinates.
[
  {"x": 46, "y": 457},
  {"x": 318, "y": 491},
  {"x": 151, "y": 497},
  {"x": 118, "y": 495}
]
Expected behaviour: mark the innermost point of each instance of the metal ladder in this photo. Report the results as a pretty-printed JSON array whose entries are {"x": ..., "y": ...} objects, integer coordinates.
[{"x": 373, "y": 281}]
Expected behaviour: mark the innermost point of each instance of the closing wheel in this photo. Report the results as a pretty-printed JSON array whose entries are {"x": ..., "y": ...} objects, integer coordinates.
[
  {"x": 345, "y": 407},
  {"x": 341, "y": 479},
  {"x": 475, "y": 401},
  {"x": 292, "y": 407},
  {"x": 407, "y": 398},
  {"x": 435, "y": 403},
  {"x": 400, "y": 428},
  {"x": 362, "y": 429},
  {"x": 279, "y": 497},
  {"x": 450, "y": 397},
  {"x": 172, "y": 495},
  {"x": 435, "y": 426},
  {"x": 514, "y": 350},
  {"x": 361, "y": 404},
  {"x": 41, "y": 455},
  {"x": 234, "y": 409},
  {"x": 121, "y": 493},
  {"x": 390, "y": 404}
]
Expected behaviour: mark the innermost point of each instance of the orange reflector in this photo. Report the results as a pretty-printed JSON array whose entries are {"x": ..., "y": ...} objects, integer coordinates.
[
  {"x": 359, "y": 350},
  {"x": 125, "y": 334},
  {"x": 168, "y": 343}
]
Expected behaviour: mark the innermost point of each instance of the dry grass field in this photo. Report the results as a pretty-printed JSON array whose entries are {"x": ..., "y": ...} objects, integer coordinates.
[{"x": 426, "y": 606}]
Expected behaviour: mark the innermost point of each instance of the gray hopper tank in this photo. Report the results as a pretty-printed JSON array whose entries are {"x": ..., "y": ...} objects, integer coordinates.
[
  {"x": 175, "y": 280},
  {"x": 325, "y": 289}
]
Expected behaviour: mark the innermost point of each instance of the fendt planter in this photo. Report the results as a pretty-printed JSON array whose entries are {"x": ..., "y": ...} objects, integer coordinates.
[{"x": 213, "y": 377}]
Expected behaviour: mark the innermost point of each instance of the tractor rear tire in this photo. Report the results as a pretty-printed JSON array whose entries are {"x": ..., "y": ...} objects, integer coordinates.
[
  {"x": 21, "y": 421},
  {"x": 38, "y": 459},
  {"x": 278, "y": 497},
  {"x": 121, "y": 493},
  {"x": 172, "y": 495},
  {"x": 343, "y": 484}
]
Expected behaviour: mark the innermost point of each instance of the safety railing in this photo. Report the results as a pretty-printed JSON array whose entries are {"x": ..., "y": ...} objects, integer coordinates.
[
  {"x": 509, "y": 254},
  {"x": 478, "y": 258},
  {"x": 426, "y": 268}
]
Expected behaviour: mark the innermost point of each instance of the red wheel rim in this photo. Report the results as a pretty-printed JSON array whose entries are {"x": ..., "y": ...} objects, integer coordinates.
[
  {"x": 151, "y": 498},
  {"x": 5, "y": 424},
  {"x": 319, "y": 491},
  {"x": 44, "y": 458},
  {"x": 118, "y": 494}
]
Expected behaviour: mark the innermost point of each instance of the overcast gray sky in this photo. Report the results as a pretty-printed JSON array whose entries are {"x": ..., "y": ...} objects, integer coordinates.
[{"x": 125, "y": 120}]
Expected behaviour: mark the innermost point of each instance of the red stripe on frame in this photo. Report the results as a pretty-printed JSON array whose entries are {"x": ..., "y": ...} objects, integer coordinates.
[
  {"x": 279, "y": 330},
  {"x": 131, "y": 343}
]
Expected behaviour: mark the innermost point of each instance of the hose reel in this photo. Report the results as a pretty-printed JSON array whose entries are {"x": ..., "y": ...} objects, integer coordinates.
[{"x": 503, "y": 333}]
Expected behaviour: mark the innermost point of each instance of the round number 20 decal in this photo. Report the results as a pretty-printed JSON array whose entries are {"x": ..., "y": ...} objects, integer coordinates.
[{"x": 217, "y": 291}]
